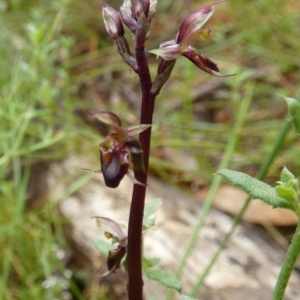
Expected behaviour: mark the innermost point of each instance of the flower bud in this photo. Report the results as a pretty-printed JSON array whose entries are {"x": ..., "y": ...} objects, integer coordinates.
[
  {"x": 152, "y": 10},
  {"x": 112, "y": 21},
  {"x": 138, "y": 8},
  {"x": 127, "y": 15},
  {"x": 164, "y": 71}
]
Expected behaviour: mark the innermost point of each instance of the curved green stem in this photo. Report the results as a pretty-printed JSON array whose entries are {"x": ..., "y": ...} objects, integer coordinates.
[{"x": 288, "y": 265}]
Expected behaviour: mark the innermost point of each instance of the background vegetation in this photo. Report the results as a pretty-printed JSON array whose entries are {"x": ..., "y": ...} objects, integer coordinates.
[{"x": 55, "y": 57}]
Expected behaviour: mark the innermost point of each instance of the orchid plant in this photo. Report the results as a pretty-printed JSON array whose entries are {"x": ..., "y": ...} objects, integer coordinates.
[{"x": 120, "y": 147}]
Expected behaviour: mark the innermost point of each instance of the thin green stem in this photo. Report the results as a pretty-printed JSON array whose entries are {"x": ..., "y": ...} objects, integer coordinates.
[
  {"x": 261, "y": 175},
  {"x": 229, "y": 150},
  {"x": 288, "y": 265}
]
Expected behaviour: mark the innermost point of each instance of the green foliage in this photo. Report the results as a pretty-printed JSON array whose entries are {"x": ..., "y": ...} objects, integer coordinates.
[
  {"x": 37, "y": 124},
  {"x": 255, "y": 188},
  {"x": 167, "y": 279},
  {"x": 289, "y": 189},
  {"x": 103, "y": 247},
  {"x": 294, "y": 108},
  {"x": 150, "y": 262},
  {"x": 149, "y": 211},
  {"x": 186, "y": 298}
]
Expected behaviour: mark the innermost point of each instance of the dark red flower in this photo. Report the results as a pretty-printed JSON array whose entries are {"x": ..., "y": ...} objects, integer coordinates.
[{"x": 118, "y": 149}]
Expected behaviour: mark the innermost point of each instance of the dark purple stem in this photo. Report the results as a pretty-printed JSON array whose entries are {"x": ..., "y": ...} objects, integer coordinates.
[{"x": 134, "y": 248}]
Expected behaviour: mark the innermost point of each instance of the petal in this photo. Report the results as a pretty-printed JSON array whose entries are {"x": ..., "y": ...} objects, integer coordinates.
[
  {"x": 112, "y": 227},
  {"x": 106, "y": 117},
  {"x": 195, "y": 21},
  {"x": 113, "y": 260},
  {"x": 114, "y": 166},
  {"x": 167, "y": 43},
  {"x": 152, "y": 10},
  {"x": 112, "y": 121},
  {"x": 167, "y": 51},
  {"x": 136, "y": 129},
  {"x": 91, "y": 120},
  {"x": 202, "y": 62},
  {"x": 138, "y": 8},
  {"x": 126, "y": 15},
  {"x": 165, "y": 66},
  {"x": 146, "y": 6}
]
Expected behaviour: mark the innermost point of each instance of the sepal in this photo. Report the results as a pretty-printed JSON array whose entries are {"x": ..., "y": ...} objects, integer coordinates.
[{"x": 112, "y": 21}]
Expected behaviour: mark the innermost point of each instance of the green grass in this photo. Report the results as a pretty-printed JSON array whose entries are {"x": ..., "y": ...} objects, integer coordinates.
[
  {"x": 56, "y": 56},
  {"x": 37, "y": 125}
]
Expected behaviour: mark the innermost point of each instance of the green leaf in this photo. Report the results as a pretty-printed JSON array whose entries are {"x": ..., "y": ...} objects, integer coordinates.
[
  {"x": 289, "y": 181},
  {"x": 294, "y": 184},
  {"x": 294, "y": 108},
  {"x": 150, "y": 262},
  {"x": 167, "y": 279},
  {"x": 103, "y": 247},
  {"x": 150, "y": 209},
  {"x": 287, "y": 193},
  {"x": 186, "y": 298},
  {"x": 286, "y": 175},
  {"x": 255, "y": 188}
]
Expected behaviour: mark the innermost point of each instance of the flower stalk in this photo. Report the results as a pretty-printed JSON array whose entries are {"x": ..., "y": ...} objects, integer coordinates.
[
  {"x": 135, "y": 224},
  {"x": 136, "y": 15}
]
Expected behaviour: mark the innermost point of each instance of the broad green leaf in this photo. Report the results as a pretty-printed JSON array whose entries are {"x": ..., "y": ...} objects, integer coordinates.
[
  {"x": 149, "y": 211},
  {"x": 150, "y": 262},
  {"x": 103, "y": 247},
  {"x": 294, "y": 108},
  {"x": 167, "y": 279},
  {"x": 255, "y": 188},
  {"x": 186, "y": 298}
]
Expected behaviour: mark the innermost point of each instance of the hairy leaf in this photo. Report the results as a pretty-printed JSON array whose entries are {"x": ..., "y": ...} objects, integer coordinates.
[
  {"x": 167, "y": 279},
  {"x": 255, "y": 188},
  {"x": 286, "y": 175}
]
